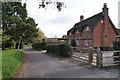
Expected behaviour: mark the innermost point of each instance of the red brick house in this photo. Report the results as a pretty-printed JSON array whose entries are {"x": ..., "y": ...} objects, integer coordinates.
[{"x": 96, "y": 31}]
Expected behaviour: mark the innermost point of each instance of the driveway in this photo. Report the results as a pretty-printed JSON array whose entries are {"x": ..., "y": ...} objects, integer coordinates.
[{"x": 40, "y": 65}]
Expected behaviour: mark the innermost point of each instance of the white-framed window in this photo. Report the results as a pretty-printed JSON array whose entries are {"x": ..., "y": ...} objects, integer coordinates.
[
  {"x": 77, "y": 42},
  {"x": 87, "y": 28},
  {"x": 86, "y": 42}
]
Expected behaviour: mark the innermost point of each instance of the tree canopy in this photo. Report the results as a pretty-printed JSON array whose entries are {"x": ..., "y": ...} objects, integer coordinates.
[
  {"x": 16, "y": 23},
  {"x": 58, "y": 4},
  {"x": 41, "y": 35}
]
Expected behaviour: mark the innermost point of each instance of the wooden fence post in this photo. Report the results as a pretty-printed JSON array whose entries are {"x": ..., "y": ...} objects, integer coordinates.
[
  {"x": 90, "y": 55},
  {"x": 99, "y": 58}
]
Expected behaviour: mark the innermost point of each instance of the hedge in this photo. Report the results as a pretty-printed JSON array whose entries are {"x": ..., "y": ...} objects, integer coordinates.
[
  {"x": 60, "y": 49},
  {"x": 116, "y": 45},
  {"x": 41, "y": 45},
  {"x": 6, "y": 45}
]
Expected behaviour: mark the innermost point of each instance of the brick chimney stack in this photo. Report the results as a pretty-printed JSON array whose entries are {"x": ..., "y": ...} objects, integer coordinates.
[
  {"x": 105, "y": 9},
  {"x": 104, "y": 27},
  {"x": 81, "y": 18}
]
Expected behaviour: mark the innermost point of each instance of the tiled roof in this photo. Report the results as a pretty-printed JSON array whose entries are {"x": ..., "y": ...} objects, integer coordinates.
[{"x": 91, "y": 22}]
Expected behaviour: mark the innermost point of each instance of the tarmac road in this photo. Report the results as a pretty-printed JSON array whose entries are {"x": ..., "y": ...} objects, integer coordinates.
[{"x": 40, "y": 65}]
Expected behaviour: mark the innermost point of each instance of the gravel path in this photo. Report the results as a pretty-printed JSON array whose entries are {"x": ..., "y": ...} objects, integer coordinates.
[{"x": 40, "y": 65}]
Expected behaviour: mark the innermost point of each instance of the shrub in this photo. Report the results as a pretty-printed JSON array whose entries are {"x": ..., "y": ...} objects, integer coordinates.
[
  {"x": 41, "y": 45},
  {"x": 3, "y": 46},
  {"x": 116, "y": 45},
  {"x": 63, "y": 50},
  {"x": 6, "y": 45},
  {"x": 60, "y": 49},
  {"x": 73, "y": 43},
  {"x": 62, "y": 42}
]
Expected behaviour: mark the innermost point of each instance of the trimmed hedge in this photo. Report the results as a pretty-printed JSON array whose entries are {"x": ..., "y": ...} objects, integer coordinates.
[
  {"x": 6, "y": 45},
  {"x": 41, "y": 45},
  {"x": 60, "y": 49},
  {"x": 116, "y": 45}
]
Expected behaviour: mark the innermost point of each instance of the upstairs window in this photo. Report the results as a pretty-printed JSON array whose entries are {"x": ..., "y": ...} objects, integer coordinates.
[
  {"x": 86, "y": 42},
  {"x": 77, "y": 31},
  {"x": 87, "y": 28}
]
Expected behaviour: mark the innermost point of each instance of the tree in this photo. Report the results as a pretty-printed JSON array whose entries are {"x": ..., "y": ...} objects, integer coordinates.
[
  {"x": 58, "y": 4},
  {"x": 15, "y": 22},
  {"x": 41, "y": 35}
]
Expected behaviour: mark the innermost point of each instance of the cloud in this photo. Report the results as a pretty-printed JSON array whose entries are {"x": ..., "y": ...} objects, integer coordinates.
[{"x": 62, "y": 19}]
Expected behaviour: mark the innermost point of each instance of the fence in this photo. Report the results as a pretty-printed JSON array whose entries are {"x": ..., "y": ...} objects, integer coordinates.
[
  {"x": 96, "y": 57},
  {"x": 108, "y": 58}
]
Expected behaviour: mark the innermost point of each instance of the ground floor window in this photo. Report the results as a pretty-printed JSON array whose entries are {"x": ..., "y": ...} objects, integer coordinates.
[{"x": 77, "y": 42}]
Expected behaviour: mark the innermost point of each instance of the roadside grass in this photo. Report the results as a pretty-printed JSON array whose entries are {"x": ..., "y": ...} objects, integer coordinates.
[{"x": 11, "y": 62}]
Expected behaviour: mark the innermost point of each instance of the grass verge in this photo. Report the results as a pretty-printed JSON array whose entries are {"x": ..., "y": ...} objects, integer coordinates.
[{"x": 11, "y": 61}]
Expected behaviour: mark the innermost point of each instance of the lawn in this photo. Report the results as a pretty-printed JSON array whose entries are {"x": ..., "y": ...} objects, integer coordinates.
[{"x": 11, "y": 62}]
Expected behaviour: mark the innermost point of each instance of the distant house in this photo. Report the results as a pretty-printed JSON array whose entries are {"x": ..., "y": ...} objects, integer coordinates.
[
  {"x": 96, "y": 31},
  {"x": 64, "y": 37},
  {"x": 51, "y": 40}
]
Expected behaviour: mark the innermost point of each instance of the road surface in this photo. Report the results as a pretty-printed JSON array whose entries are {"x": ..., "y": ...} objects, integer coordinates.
[{"x": 40, "y": 65}]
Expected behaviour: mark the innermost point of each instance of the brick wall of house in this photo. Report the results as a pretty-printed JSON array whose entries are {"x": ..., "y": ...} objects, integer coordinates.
[
  {"x": 104, "y": 38},
  {"x": 109, "y": 35},
  {"x": 82, "y": 38},
  {"x": 97, "y": 40}
]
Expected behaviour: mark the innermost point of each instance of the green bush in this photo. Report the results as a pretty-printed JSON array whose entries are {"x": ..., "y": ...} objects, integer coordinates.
[
  {"x": 73, "y": 43},
  {"x": 116, "y": 45},
  {"x": 60, "y": 49},
  {"x": 63, "y": 50},
  {"x": 41, "y": 45},
  {"x": 6, "y": 45}
]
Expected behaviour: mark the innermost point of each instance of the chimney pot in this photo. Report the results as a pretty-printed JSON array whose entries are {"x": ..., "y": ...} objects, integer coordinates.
[
  {"x": 105, "y": 9},
  {"x": 81, "y": 18}
]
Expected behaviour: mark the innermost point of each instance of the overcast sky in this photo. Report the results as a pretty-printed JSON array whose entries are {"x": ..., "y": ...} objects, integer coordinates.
[{"x": 54, "y": 23}]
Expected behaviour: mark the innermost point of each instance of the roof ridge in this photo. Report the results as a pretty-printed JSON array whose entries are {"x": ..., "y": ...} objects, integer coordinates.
[{"x": 91, "y": 17}]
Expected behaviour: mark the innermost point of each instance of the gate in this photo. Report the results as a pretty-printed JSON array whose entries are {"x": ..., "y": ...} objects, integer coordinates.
[
  {"x": 108, "y": 58},
  {"x": 87, "y": 55},
  {"x": 96, "y": 57}
]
